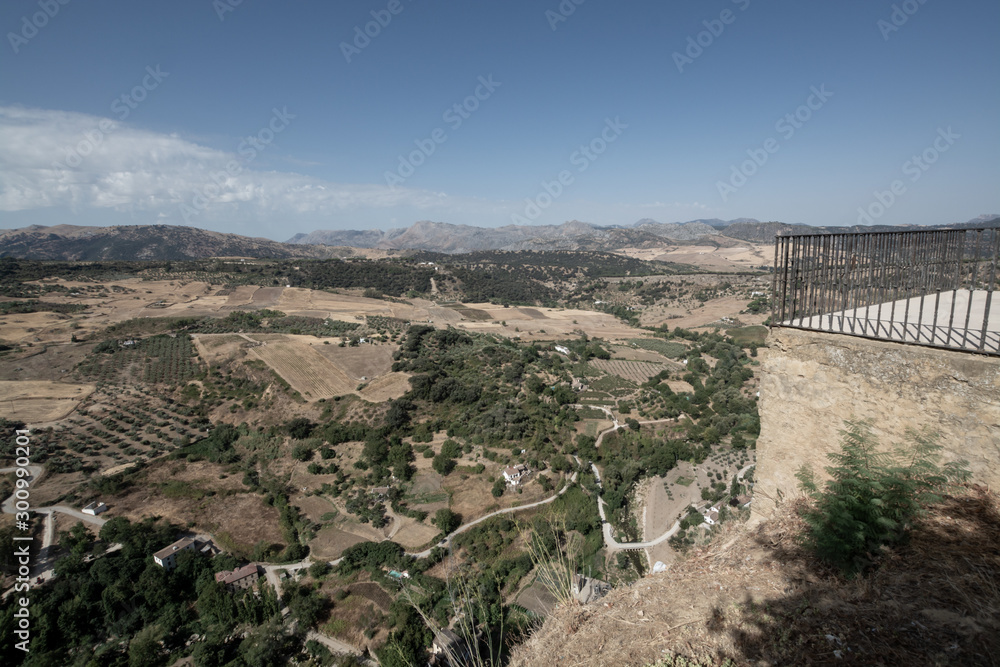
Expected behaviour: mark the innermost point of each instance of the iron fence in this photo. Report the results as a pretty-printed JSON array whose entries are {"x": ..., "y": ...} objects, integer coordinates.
[{"x": 933, "y": 287}]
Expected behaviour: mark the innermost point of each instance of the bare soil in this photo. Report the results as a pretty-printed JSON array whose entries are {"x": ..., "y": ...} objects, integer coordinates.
[{"x": 755, "y": 597}]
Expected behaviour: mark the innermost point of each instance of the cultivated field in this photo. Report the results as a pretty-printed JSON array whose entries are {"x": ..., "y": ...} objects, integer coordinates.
[
  {"x": 306, "y": 370},
  {"x": 39, "y": 401},
  {"x": 740, "y": 256},
  {"x": 368, "y": 361},
  {"x": 636, "y": 371},
  {"x": 547, "y": 323}
]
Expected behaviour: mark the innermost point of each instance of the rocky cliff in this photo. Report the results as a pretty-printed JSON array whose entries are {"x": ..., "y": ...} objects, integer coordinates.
[{"x": 811, "y": 382}]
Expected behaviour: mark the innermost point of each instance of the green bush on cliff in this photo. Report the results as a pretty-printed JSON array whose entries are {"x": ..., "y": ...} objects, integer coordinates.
[{"x": 873, "y": 495}]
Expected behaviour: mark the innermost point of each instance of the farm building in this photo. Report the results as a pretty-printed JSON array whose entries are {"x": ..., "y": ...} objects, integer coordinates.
[
  {"x": 95, "y": 508},
  {"x": 167, "y": 556},
  {"x": 241, "y": 577}
]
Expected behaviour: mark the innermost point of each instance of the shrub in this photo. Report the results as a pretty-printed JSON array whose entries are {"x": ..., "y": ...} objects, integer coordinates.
[{"x": 873, "y": 496}]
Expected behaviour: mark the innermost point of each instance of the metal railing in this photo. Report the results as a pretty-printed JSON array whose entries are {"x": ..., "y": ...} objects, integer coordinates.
[{"x": 932, "y": 288}]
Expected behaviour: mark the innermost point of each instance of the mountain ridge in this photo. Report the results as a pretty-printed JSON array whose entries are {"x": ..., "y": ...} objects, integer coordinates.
[{"x": 173, "y": 242}]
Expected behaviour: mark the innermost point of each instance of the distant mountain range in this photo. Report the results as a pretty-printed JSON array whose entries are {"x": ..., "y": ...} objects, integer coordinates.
[
  {"x": 576, "y": 235},
  {"x": 164, "y": 242},
  {"x": 128, "y": 242},
  {"x": 573, "y": 235}
]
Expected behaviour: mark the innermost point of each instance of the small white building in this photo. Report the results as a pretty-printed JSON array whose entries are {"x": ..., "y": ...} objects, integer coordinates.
[
  {"x": 562, "y": 349},
  {"x": 95, "y": 508},
  {"x": 515, "y": 474}
]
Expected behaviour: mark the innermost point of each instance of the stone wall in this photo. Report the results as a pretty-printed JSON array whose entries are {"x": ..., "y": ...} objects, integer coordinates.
[{"x": 811, "y": 382}]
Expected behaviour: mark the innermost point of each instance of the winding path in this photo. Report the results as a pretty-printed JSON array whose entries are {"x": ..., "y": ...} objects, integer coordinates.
[
  {"x": 609, "y": 540},
  {"x": 466, "y": 526}
]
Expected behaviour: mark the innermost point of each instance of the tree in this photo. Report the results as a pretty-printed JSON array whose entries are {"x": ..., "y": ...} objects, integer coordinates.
[
  {"x": 144, "y": 649},
  {"x": 443, "y": 465},
  {"x": 447, "y": 520},
  {"x": 302, "y": 451},
  {"x": 873, "y": 495},
  {"x": 300, "y": 428},
  {"x": 499, "y": 487}
]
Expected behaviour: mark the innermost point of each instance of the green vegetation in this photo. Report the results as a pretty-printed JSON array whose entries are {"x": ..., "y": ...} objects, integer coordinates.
[
  {"x": 747, "y": 336},
  {"x": 873, "y": 496},
  {"x": 121, "y": 608},
  {"x": 669, "y": 349},
  {"x": 500, "y": 402},
  {"x": 36, "y": 306}
]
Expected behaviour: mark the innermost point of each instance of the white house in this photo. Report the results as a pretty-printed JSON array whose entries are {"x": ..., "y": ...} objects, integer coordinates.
[
  {"x": 562, "y": 349},
  {"x": 167, "y": 556},
  {"x": 514, "y": 474}
]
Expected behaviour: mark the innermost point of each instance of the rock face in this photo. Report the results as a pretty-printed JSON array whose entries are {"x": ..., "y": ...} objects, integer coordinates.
[{"x": 811, "y": 382}]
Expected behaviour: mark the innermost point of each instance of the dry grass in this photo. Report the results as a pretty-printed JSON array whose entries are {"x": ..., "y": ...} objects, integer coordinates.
[
  {"x": 386, "y": 387},
  {"x": 414, "y": 534},
  {"x": 754, "y": 597},
  {"x": 40, "y": 400},
  {"x": 179, "y": 492}
]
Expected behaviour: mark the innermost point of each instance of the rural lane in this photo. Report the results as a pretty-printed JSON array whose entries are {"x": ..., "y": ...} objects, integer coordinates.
[
  {"x": 609, "y": 540},
  {"x": 466, "y": 526}
]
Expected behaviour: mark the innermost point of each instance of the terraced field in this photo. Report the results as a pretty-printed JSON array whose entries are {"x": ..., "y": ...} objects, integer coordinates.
[{"x": 636, "y": 371}]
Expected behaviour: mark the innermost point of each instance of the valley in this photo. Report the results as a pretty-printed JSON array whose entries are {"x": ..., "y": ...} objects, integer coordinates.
[{"x": 290, "y": 410}]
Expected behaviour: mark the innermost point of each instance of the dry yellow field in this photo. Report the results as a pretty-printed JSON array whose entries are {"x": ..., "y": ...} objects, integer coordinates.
[
  {"x": 39, "y": 401},
  {"x": 414, "y": 534},
  {"x": 547, "y": 323},
  {"x": 386, "y": 387},
  {"x": 310, "y": 373}
]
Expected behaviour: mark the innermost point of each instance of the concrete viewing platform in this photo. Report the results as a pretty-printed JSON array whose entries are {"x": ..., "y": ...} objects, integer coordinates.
[{"x": 959, "y": 319}]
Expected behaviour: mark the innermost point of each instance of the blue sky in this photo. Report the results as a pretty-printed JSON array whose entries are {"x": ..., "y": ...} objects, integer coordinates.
[{"x": 271, "y": 118}]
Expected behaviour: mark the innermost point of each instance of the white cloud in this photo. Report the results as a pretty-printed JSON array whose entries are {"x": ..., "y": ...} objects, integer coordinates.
[{"x": 64, "y": 159}]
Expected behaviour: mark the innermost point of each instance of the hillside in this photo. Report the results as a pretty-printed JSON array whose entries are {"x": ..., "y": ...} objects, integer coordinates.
[
  {"x": 755, "y": 597},
  {"x": 154, "y": 242},
  {"x": 165, "y": 242},
  {"x": 572, "y": 235}
]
